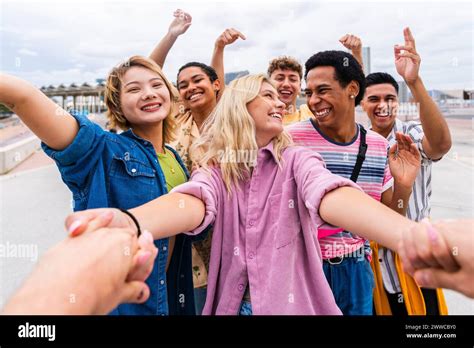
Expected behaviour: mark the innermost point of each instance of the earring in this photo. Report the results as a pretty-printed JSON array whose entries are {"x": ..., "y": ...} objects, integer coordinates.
[{"x": 352, "y": 96}]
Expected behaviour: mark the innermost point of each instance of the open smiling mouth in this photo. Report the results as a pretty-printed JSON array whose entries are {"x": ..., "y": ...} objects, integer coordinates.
[
  {"x": 322, "y": 113},
  {"x": 286, "y": 93},
  {"x": 383, "y": 114},
  {"x": 195, "y": 96},
  {"x": 151, "y": 107},
  {"x": 276, "y": 115}
]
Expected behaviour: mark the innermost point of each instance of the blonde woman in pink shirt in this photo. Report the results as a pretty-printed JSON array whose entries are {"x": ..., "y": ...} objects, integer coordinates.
[{"x": 266, "y": 200}]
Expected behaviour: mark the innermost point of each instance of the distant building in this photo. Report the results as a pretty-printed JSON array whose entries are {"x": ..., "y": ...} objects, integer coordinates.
[
  {"x": 452, "y": 94},
  {"x": 233, "y": 75},
  {"x": 366, "y": 60},
  {"x": 403, "y": 92}
]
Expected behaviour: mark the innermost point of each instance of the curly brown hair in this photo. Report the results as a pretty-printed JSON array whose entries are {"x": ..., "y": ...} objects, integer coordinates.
[
  {"x": 285, "y": 63},
  {"x": 112, "y": 96}
]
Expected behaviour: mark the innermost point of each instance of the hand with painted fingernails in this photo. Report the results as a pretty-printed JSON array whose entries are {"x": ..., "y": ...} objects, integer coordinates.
[
  {"x": 439, "y": 254},
  {"x": 89, "y": 274},
  {"x": 94, "y": 219}
]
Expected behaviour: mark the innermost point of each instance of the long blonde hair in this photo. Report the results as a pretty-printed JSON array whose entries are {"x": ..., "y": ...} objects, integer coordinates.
[
  {"x": 231, "y": 128},
  {"x": 114, "y": 86}
]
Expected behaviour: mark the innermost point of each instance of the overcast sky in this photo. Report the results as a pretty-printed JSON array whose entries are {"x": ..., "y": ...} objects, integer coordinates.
[{"x": 53, "y": 42}]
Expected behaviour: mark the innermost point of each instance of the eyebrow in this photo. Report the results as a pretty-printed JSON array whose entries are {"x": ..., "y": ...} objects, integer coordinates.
[
  {"x": 376, "y": 96},
  {"x": 150, "y": 80},
  {"x": 290, "y": 74},
  {"x": 318, "y": 87},
  {"x": 192, "y": 77},
  {"x": 269, "y": 91}
]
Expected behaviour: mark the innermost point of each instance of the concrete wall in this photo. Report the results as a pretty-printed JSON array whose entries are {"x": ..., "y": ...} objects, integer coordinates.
[{"x": 13, "y": 154}]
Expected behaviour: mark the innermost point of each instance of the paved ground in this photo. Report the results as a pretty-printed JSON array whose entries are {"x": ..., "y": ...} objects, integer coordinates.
[{"x": 34, "y": 202}]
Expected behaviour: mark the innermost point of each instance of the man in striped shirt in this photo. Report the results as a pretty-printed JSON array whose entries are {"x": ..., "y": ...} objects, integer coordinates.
[
  {"x": 335, "y": 84},
  {"x": 430, "y": 134}
]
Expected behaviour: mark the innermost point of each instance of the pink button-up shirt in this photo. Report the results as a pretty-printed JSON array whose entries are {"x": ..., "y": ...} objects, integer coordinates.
[{"x": 265, "y": 235}]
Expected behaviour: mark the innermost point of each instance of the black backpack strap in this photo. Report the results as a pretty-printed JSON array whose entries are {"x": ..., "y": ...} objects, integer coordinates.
[{"x": 361, "y": 154}]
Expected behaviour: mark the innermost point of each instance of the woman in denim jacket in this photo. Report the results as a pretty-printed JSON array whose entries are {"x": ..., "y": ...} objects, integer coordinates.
[{"x": 104, "y": 169}]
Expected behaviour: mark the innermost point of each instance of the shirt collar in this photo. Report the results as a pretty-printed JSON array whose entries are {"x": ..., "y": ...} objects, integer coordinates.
[
  {"x": 187, "y": 120},
  {"x": 129, "y": 133},
  {"x": 396, "y": 127},
  {"x": 268, "y": 149}
]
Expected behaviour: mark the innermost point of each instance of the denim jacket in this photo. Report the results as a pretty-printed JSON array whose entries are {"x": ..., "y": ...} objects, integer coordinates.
[{"x": 104, "y": 169}]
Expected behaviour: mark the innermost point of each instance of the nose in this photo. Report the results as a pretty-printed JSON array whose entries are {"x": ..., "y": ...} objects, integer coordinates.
[
  {"x": 286, "y": 83},
  {"x": 148, "y": 93},
  {"x": 382, "y": 106},
  {"x": 313, "y": 100},
  {"x": 190, "y": 88},
  {"x": 279, "y": 104}
]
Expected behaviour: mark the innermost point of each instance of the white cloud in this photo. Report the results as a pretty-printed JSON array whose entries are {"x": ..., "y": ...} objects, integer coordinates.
[
  {"x": 27, "y": 52},
  {"x": 82, "y": 38}
]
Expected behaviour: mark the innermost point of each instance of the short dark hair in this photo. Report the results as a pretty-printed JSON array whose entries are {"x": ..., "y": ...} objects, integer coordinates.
[
  {"x": 346, "y": 68},
  {"x": 208, "y": 70},
  {"x": 379, "y": 78}
]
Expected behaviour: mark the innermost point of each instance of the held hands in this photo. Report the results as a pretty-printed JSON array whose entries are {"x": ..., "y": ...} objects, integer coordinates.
[
  {"x": 91, "y": 220},
  {"x": 89, "y": 274},
  {"x": 440, "y": 255},
  {"x": 181, "y": 22},
  {"x": 404, "y": 160},
  {"x": 407, "y": 60},
  {"x": 228, "y": 37}
]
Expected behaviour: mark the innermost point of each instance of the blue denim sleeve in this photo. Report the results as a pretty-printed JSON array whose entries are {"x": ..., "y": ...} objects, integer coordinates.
[{"x": 79, "y": 159}]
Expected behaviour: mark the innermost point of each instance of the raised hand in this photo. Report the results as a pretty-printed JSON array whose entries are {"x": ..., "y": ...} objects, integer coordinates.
[
  {"x": 228, "y": 37},
  {"x": 94, "y": 219},
  {"x": 404, "y": 160},
  {"x": 180, "y": 24},
  {"x": 351, "y": 42},
  {"x": 407, "y": 60}
]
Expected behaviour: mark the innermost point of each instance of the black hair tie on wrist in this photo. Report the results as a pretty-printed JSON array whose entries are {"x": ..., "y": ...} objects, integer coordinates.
[{"x": 134, "y": 220}]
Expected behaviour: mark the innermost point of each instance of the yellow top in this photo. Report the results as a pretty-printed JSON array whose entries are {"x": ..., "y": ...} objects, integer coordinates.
[
  {"x": 302, "y": 114},
  {"x": 174, "y": 174}
]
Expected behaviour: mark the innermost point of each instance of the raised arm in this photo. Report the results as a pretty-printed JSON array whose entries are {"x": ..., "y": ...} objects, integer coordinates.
[
  {"x": 353, "y": 43},
  {"x": 228, "y": 37},
  {"x": 357, "y": 212},
  {"x": 179, "y": 25},
  {"x": 437, "y": 138},
  {"x": 53, "y": 125}
]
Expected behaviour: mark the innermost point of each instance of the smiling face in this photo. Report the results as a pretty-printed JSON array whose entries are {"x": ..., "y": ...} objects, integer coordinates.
[
  {"x": 330, "y": 103},
  {"x": 144, "y": 97},
  {"x": 381, "y": 104},
  {"x": 196, "y": 89},
  {"x": 288, "y": 85},
  {"x": 267, "y": 112}
]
